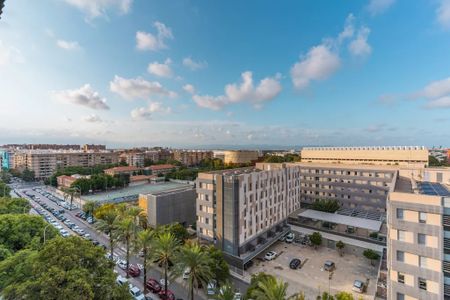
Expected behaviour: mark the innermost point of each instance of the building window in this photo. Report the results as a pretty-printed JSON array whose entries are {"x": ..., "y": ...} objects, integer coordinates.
[
  {"x": 422, "y": 217},
  {"x": 400, "y": 296},
  {"x": 400, "y": 256},
  {"x": 400, "y": 213},
  {"x": 422, "y": 284},
  {"x": 400, "y": 277},
  {"x": 401, "y": 234},
  {"x": 421, "y": 239},
  {"x": 422, "y": 262}
]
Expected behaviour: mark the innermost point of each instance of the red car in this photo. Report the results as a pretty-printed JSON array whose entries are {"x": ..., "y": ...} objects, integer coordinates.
[
  {"x": 134, "y": 271},
  {"x": 153, "y": 285},
  {"x": 166, "y": 295}
]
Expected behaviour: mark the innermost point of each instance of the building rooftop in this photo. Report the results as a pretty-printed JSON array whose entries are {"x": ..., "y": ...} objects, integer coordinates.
[
  {"x": 403, "y": 185},
  {"x": 433, "y": 189},
  {"x": 123, "y": 169},
  {"x": 161, "y": 167},
  {"x": 367, "y": 148},
  {"x": 237, "y": 171},
  {"x": 172, "y": 191}
]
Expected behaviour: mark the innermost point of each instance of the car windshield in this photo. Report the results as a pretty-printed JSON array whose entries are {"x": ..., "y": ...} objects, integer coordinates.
[{"x": 357, "y": 283}]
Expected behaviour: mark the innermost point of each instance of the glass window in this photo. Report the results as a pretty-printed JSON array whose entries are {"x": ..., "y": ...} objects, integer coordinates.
[
  {"x": 400, "y": 213},
  {"x": 400, "y": 277},
  {"x": 422, "y": 284},
  {"x": 421, "y": 239},
  {"x": 422, "y": 217},
  {"x": 400, "y": 256},
  {"x": 400, "y": 296},
  {"x": 401, "y": 234},
  {"x": 422, "y": 262}
]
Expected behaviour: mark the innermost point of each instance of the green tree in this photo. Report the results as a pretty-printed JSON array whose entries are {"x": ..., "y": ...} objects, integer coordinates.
[
  {"x": 256, "y": 278},
  {"x": 218, "y": 265},
  {"x": 125, "y": 234},
  {"x": 371, "y": 255},
  {"x": 28, "y": 175},
  {"x": 270, "y": 288},
  {"x": 4, "y": 189},
  {"x": 89, "y": 207},
  {"x": 326, "y": 205},
  {"x": 144, "y": 243},
  {"x": 166, "y": 249},
  {"x": 14, "y": 205},
  {"x": 5, "y": 176},
  {"x": 226, "y": 292},
  {"x": 195, "y": 258},
  {"x": 340, "y": 246},
  {"x": 344, "y": 296},
  {"x": 108, "y": 221},
  {"x": 69, "y": 268},
  {"x": 316, "y": 239}
]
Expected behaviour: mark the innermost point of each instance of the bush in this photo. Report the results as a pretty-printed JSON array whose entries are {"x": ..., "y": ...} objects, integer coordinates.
[{"x": 326, "y": 205}]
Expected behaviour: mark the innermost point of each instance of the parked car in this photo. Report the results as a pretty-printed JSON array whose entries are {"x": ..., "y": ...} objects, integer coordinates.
[
  {"x": 271, "y": 255},
  {"x": 359, "y": 286},
  {"x": 121, "y": 280},
  {"x": 133, "y": 271},
  {"x": 211, "y": 288},
  {"x": 329, "y": 266},
  {"x": 166, "y": 295},
  {"x": 295, "y": 264},
  {"x": 153, "y": 285},
  {"x": 237, "y": 296},
  {"x": 186, "y": 273},
  {"x": 162, "y": 282},
  {"x": 290, "y": 237},
  {"x": 122, "y": 264},
  {"x": 136, "y": 293}
]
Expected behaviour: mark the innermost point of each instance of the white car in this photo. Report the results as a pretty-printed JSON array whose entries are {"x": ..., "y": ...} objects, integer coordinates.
[
  {"x": 136, "y": 293},
  {"x": 162, "y": 282},
  {"x": 122, "y": 264},
  {"x": 237, "y": 296},
  {"x": 271, "y": 255},
  {"x": 141, "y": 267},
  {"x": 211, "y": 288},
  {"x": 186, "y": 273},
  {"x": 290, "y": 237},
  {"x": 121, "y": 280}
]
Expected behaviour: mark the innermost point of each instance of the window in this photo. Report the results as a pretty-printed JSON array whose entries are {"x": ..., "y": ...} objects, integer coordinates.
[
  {"x": 400, "y": 213},
  {"x": 422, "y": 284},
  {"x": 422, "y": 217},
  {"x": 422, "y": 262},
  {"x": 400, "y": 256},
  {"x": 401, "y": 234},
  {"x": 400, "y": 296},
  {"x": 400, "y": 277},
  {"x": 421, "y": 239}
]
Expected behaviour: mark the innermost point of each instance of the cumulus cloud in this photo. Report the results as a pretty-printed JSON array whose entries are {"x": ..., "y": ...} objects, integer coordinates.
[
  {"x": 267, "y": 89},
  {"x": 437, "y": 94},
  {"x": 84, "y": 96},
  {"x": 93, "y": 118},
  {"x": 194, "y": 65},
  {"x": 98, "y": 8},
  {"x": 10, "y": 55},
  {"x": 161, "y": 69},
  {"x": 189, "y": 88},
  {"x": 359, "y": 46},
  {"x": 443, "y": 102},
  {"x": 376, "y": 7},
  {"x": 68, "y": 45},
  {"x": 146, "y": 113},
  {"x": 320, "y": 62},
  {"x": 138, "y": 88},
  {"x": 153, "y": 42},
  {"x": 443, "y": 14}
]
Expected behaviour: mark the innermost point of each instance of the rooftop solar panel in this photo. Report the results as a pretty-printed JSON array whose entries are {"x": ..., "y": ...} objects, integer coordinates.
[{"x": 433, "y": 189}]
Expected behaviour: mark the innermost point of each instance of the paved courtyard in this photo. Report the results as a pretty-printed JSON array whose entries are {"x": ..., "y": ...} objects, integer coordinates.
[{"x": 311, "y": 278}]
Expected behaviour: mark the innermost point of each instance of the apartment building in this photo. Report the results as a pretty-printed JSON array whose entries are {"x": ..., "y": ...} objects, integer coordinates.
[
  {"x": 398, "y": 155},
  {"x": 243, "y": 211},
  {"x": 418, "y": 248},
  {"x": 354, "y": 186},
  {"x": 191, "y": 157},
  {"x": 240, "y": 156},
  {"x": 92, "y": 147},
  {"x": 133, "y": 158},
  {"x": 152, "y": 155}
]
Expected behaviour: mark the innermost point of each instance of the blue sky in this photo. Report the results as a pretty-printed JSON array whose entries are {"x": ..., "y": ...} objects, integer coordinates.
[{"x": 195, "y": 73}]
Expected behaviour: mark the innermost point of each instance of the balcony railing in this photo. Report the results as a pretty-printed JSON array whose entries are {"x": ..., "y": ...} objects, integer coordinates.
[
  {"x": 446, "y": 266},
  {"x": 446, "y": 290},
  {"x": 446, "y": 220},
  {"x": 446, "y": 243}
]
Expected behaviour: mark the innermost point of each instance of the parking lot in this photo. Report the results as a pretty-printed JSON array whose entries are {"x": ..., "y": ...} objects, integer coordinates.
[{"x": 311, "y": 278}]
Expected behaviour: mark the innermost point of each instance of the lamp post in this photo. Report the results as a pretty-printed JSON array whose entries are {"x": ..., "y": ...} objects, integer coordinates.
[{"x": 45, "y": 228}]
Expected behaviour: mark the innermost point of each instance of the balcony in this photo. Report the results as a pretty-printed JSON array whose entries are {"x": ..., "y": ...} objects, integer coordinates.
[
  {"x": 446, "y": 266},
  {"x": 446, "y": 290},
  {"x": 446, "y": 243},
  {"x": 446, "y": 220}
]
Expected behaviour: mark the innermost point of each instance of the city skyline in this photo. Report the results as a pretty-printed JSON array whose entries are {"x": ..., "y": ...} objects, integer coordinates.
[{"x": 146, "y": 73}]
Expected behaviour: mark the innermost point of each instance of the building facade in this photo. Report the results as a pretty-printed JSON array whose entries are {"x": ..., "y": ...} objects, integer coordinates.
[
  {"x": 243, "y": 211},
  {"x": 133, "y": 158},
  {"x": 240, "y": 156},
  {"x": 191, "y": 157},
  {"x": 401, "y": 155}
]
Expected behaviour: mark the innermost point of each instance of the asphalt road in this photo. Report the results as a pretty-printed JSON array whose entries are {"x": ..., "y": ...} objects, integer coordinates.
[{"x": 176, "y": 287}]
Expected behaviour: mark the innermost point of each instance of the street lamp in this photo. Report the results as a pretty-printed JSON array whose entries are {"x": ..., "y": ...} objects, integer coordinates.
[{"x": 45, "y": 228}]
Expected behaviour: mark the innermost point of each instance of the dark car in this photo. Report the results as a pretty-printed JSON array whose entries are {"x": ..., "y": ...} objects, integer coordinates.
[
  {"x": 134, "y": 271},
  {"x": 329, "y": 266},
  {"x": 153, "y": 285},
  {"x": 166, "y": 295},
  {"x": 96, "y": 243},
  {"x": 295, "y": 263}
]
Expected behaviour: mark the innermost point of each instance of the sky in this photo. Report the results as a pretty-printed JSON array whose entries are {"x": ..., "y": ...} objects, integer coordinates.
[{"x": 197, "y": 73}]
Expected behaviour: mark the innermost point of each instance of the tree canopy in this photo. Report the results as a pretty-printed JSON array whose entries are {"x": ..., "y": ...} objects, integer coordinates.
[
  {"x": 14, "y": 205},
  {"x": 326, "y": 205},
  {"x": 4, "y": 189}
]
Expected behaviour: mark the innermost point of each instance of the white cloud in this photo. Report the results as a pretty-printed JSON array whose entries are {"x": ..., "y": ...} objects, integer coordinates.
[
  {"x": 161, "y": 69},
  {"x": 349, "y": 29},
  {"x": 138, "y": 88},
  {"x": 97, "y": 8},
  {"x": 267, "y": 89},
  {"x": 359, "y": 46},
  {"x": 443, "y": 14},
  {"x": 93, "y": 118},
  {"x": 194, "y": 65},
  {"x": 152, "y": 42},
  {"x": 68, "y": 45},
  {"x": 318, "y": 64},
  {"x": 84, "y": 96},
  {"x": 10, "y": 55},
  {"x": 376, "y": 7},
  {"x": 189, "y": 88},
  {"x": 436, "y": 89},
  {"x": 443, "y": 102},
  {"x": 145, "y": 113}
]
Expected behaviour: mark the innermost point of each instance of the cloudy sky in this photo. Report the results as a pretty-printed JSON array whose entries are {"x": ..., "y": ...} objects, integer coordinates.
[{"x": 195, "y": 73}]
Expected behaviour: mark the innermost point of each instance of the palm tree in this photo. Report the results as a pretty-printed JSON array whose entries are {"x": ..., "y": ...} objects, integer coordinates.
[
  {"x": 144, "y": 243},
  {"x": 126, "y": 231},
  {"x": 166, "y": 248},
  {"x": 197, "y": 260},
  {"x": 270, "y": 289},
  {"x": 108, "y": 219},
  {"x": 226, "y": 292},
  {"x": 89, "y": 207}
]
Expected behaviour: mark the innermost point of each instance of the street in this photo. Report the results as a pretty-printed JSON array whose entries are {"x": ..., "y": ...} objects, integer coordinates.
[{"x": 177, "y": 286}]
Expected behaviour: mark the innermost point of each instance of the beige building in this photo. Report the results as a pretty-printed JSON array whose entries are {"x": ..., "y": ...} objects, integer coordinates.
[
  {"x": 418, "y": 241},
  {"x": 240, "y": 156},
  {"x": 398, "y": 155},
  {"x": 122, "y": 170},
  {"x": 133, "y": 158},
  {"x": 191, "y": 157}
]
